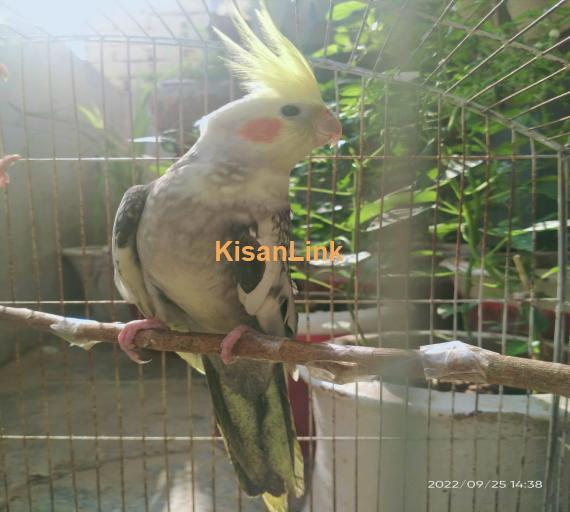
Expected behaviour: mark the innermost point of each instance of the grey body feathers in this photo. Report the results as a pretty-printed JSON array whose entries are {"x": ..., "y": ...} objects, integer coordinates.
[{"x": 164, "y": 253}]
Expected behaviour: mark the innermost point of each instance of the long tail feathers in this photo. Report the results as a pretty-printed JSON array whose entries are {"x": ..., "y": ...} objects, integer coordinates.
[
  {"x": 275, "y": 503},
  {"x": 194, "y": 360},
  {"x": 258, "y": 431}
]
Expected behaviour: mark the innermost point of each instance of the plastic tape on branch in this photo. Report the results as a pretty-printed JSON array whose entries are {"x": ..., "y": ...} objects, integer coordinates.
[
  {"x": 70, "y": 329},
  {"x": 455, "y": 360}
]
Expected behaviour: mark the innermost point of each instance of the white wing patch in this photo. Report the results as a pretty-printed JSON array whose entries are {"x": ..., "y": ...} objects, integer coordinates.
[
  {"x": 271, "y": 302},
  {"x": 129, "y": 280}
]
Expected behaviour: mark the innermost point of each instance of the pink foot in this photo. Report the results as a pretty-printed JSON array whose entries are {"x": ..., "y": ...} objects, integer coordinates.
[
  {"x": 128, "y": 333},
  {"x": 229, "y": 341}
]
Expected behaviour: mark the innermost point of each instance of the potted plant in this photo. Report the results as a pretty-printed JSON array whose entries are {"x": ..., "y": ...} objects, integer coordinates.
[{"x": 388, "y": 446}]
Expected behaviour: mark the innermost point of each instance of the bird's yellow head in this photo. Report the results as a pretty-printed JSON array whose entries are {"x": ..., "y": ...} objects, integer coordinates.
[
  {"x": 283, "y": 116},
  {"x": 270, "y": 67}
]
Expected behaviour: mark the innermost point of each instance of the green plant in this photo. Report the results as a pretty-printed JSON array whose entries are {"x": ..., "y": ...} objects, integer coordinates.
[{"x": 455, "y": 173}]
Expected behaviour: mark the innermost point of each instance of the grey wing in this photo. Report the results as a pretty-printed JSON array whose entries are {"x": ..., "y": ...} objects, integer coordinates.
[
  {"x": 265, "y": 288},
  {"x": 129, "y": 277}
]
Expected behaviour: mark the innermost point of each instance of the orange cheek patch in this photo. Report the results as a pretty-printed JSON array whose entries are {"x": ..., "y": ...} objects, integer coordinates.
[{"x": 262, "y": 129}]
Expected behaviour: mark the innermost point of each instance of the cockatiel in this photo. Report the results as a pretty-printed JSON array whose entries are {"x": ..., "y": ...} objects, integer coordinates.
[{"x": 232, "y": 185}]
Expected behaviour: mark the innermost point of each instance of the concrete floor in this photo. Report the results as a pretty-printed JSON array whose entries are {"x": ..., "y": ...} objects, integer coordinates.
[{"x": 107, "y": 394}]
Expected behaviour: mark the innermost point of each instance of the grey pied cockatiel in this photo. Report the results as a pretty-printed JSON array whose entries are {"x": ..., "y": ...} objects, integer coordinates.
[{"x": 232, "y": 185}]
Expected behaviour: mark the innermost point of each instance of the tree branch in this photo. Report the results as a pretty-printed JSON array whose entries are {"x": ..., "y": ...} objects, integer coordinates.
[{"x": 453, "y": 361}]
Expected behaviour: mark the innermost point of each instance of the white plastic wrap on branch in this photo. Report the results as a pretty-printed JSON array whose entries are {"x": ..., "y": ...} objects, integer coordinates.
[
  {"x": 455, "y": 360},
  {"x": 69, "y": 328},
  {"x": 452, "y": 361}
]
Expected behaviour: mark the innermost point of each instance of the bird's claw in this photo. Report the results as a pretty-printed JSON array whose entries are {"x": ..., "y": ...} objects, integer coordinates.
[
  {"x": 128, "y": 333},
  {"x": 229, "y": 342}
]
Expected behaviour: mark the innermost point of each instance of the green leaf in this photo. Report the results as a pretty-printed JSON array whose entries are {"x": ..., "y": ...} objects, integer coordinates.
[
  {"x": 343, "y": 40},
  {"x": 427, "y": 252},
  {"x": 351, "y": 90},
  {"x": 549, "y": 225},
  {"x": 345, "y": 9},
  {"x": 93, "y": 116},
  {"x": 516, "y": 347},
  {"x": 301, "y": 276},
  {"x": 433, "y": 173},
  {"x": 331, "y": 49},
  {"x": 522, "y": 242},
  {"x": 445, "y": 310},
  {"x": 444, "y": 229},
  {"x": 297, "y": 188},
  {"x": 424, "y": 196},
  {"x": 368, "y": 211},
  {"x": 395, "y": 216},
  {"x": 549, "y": 272}
]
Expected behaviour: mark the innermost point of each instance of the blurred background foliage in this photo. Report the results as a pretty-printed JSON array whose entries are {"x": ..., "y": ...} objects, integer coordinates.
[{"x": 461, "y": 184}]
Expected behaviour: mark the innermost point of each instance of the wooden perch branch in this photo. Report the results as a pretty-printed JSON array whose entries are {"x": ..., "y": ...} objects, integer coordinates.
[{"x": 342, "y": 363}]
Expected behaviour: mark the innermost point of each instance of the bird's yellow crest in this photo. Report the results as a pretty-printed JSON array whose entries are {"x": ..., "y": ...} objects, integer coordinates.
[{"x": 272, "y": 66}]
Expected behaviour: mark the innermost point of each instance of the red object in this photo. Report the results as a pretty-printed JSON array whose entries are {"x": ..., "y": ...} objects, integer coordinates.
[
  {"x": 299, "y": 400},
  {"x": 263, "y": 129}
]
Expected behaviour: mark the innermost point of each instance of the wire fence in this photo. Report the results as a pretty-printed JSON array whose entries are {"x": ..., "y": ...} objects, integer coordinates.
[{"x": 450, "y": 192}]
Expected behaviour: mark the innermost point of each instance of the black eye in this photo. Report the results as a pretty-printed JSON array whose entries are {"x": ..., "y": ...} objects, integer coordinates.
[{"x": 290, "y": 110}]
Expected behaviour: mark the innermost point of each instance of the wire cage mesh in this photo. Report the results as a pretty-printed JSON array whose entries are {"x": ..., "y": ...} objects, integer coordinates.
[{"x": 448, "y": 192}]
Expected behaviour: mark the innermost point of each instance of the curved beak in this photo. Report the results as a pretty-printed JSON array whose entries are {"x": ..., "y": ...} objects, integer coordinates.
[{"x": 327, "y": 128}]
